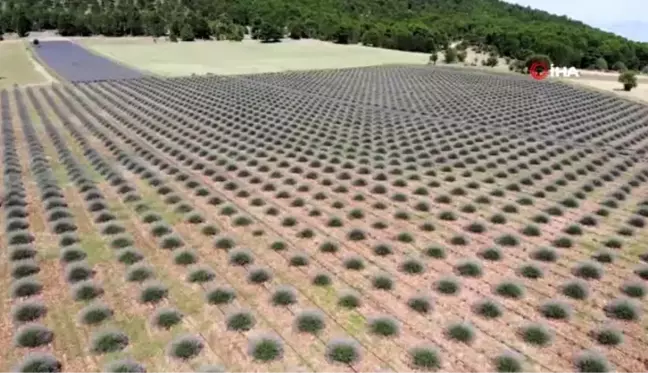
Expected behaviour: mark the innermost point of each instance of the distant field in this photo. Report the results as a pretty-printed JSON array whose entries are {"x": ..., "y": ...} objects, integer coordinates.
[
  {"x": 611, "y": 85},
  {"x": 73, "y": 62},
  {"x": 247, "y": 57},
  {"x": 16, "y": 66}
]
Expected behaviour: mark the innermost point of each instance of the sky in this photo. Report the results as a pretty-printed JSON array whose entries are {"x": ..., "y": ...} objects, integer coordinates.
[{"x": 627, "y": 18}]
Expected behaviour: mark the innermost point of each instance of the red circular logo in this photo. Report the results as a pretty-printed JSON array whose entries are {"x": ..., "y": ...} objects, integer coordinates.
[{"x": 539, "y": 70}]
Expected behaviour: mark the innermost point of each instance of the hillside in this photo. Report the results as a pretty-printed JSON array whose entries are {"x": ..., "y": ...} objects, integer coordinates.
[{"x": 411, "y": 25}]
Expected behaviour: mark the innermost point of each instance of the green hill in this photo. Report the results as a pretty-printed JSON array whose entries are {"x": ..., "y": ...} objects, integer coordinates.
[{"x": 413, "y": 25}]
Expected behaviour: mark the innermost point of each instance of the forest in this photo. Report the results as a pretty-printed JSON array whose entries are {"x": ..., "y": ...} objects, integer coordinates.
[{"x": 426, "y": 26}]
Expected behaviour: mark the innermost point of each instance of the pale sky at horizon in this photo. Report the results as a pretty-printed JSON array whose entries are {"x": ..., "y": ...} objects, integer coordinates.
[{"x": 626, "y": 17}]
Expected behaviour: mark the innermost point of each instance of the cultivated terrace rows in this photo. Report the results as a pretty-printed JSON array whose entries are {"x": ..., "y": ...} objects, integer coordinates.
[{"x": 293, "y": 222}]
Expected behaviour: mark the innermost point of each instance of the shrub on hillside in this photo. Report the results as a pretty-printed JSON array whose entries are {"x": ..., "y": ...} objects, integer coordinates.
[
  {"x": 491, "y": 61},
  {"x": 187, "y": 33},
  {"x": 450, "y": 55},
  {"x": 619, "y": 66},
  {"x": 601, "y": 64},
  {"x": 461, "y": 56},
  {"x": 628, "y": 79},
  {"x": 541, "y": 59}
]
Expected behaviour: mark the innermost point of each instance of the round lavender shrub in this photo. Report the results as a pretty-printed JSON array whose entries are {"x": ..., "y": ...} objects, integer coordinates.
[
  {"x": 124, "y": 366},
  {"x": 426, "y": 358},
  {"x": 29, "y": 310},
  {"x": 166, "y": 317},
  {"x": 95, "y": 313},
  {"x": 265, "y": 348},
  {"x": 108, "y": 340},
  {"x": 592, "y": 362},
  {"x": 343, "y": 350},
  {"x": 33, "y": 335},
  {"x": 39, "y": 362},
  {"x": 509, "y": 362},
  {"x": 310, "y": 321},
  {"x": 185, "y": 347}
]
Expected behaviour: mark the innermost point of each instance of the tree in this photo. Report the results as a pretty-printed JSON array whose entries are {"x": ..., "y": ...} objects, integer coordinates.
[
  {"x": 312, "y": 28},
  {"x": 450, "y": 55},
  {"x": 200, "y": 27},
  {"x": 619, "y": 66},
  {"x": 372, "y": 38},
  {"x": 434, "y": 57},
  {"x": 344, "y": 34},
  {"x": 629, "y": 80},
  {"x": 237, "y": 33},
  {"x": 522, "y": 54},
  {"x": 21, "y": 23},
  {"x": 269, "y": 33},
  {"x": 66, "y": 24},
  {"x": 422, "y": 38},
  {"x": 175, "y": 24},
  {"x": 561, "y": 53},
  {"x": 297, "y": 30},
  {"x": 540, "y": 61},
  {"x": 187, "y": 33},
  {"x": 222, "y": 28},
  {"x": 601, "y": 64}
]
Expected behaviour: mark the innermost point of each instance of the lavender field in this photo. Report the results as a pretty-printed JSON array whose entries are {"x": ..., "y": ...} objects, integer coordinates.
[
  {"x": 74, "y": 63},
  {"x": 372, "y": 219}
]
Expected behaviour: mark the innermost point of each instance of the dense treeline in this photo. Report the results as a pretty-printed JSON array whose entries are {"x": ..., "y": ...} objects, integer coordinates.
[{"x": 412, "y": 25}]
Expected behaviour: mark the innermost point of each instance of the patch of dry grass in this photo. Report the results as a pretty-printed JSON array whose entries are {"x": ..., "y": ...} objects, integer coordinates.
[
  {"x": 17, "y": 66},
  {"x": 612, "y": 86},
  {"x": 246, "y": 57}
]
